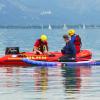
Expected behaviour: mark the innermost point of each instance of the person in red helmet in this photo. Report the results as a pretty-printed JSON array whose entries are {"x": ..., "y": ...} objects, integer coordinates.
[{"x": 75, "y": 39}]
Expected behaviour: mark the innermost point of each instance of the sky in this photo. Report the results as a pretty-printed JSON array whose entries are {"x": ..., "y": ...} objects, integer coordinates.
[{"x": 49, "y": 11}]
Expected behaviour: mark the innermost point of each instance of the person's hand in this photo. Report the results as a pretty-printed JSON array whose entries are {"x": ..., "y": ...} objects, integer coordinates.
[
  {"x": 45, "y": 52},
  {"x": 40, "y": 52},
  {"x": 49, "y": 53}
]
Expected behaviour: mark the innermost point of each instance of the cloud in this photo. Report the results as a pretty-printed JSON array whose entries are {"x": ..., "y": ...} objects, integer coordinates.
[
  {"x": 2, "y": 6},
  {"x": 33, "y": 6},
  {"x": 46, "y": 13},
  {"x": 80, "y": 6},
  {"x": 20, "y": 5}
]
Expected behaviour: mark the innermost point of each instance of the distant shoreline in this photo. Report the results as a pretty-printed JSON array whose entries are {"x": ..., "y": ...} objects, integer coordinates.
[{"x": 47, "y": 26}]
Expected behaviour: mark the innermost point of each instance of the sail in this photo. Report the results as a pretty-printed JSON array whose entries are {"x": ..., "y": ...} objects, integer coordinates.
[
  {"x": 50, "y": 28},
  {"x": 64, "y": 27}
]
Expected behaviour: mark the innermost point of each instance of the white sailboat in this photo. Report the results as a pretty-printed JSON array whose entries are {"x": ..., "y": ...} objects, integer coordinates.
[
  {"x": 84, "y": 26},
  {"x": 64, "y": 27},
  {"x": 50, "y": 28}
]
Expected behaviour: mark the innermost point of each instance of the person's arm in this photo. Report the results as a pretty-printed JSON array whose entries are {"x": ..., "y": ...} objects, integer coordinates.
[
  {"x": 35, "y": 49},
  {"x": 47, "y": 46},
  {"x": 63, "y": 50},
  {"x": 80, "y": 42}
]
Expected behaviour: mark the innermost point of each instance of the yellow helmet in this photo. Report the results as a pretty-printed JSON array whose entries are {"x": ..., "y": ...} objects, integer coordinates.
[
  {"x": 71, "y": 32},
  {"x": 43, "y": 38}
]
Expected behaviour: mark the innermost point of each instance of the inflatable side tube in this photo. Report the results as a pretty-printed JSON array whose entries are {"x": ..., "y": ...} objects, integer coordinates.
[
  {"x": 39, "y": 63},
  {"x": 43, "y": 63}
]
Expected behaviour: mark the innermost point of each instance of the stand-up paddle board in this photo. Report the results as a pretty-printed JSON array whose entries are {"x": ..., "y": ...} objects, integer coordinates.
[{"x": 43, "y": 63}]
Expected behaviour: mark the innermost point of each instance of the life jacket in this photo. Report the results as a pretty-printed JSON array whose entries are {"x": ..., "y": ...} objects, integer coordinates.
[
  {"x": 77, "y": 41},
  {"x": 43, "y": 46}
]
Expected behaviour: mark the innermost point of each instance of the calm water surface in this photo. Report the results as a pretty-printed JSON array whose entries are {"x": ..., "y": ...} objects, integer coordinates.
[{"x": 34, "y": 83}]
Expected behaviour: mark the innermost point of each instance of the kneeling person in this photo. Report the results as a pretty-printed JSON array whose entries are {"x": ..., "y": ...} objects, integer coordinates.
[
  {"x": 75, "y": 39},
  {"x": 41, "y": 45},
  {"x": 68, "y": 51}
]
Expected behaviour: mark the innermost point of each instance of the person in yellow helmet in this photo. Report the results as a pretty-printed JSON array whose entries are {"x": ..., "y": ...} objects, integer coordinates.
[
  {"x": 75, "y": 39},
  {"x": 41, "y": 45},
  {"x": 71, "y": 32}
]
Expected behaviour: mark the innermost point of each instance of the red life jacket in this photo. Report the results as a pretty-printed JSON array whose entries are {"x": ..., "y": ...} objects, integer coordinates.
[
  {"x": 77, "y": 41},
  {"x": 42, "y": 45}
]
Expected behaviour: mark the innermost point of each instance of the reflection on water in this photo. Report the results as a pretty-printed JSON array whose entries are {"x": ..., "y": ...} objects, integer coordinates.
[
  {"x": 72, "y": 80},
  {"x": 41, "y": 79},
  {"x": 28, "y": 83},
  {"x": 34, "y": 83}
]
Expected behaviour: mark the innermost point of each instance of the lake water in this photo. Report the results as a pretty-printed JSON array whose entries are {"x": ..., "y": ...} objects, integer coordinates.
[{"x": 33, "y": 83}]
